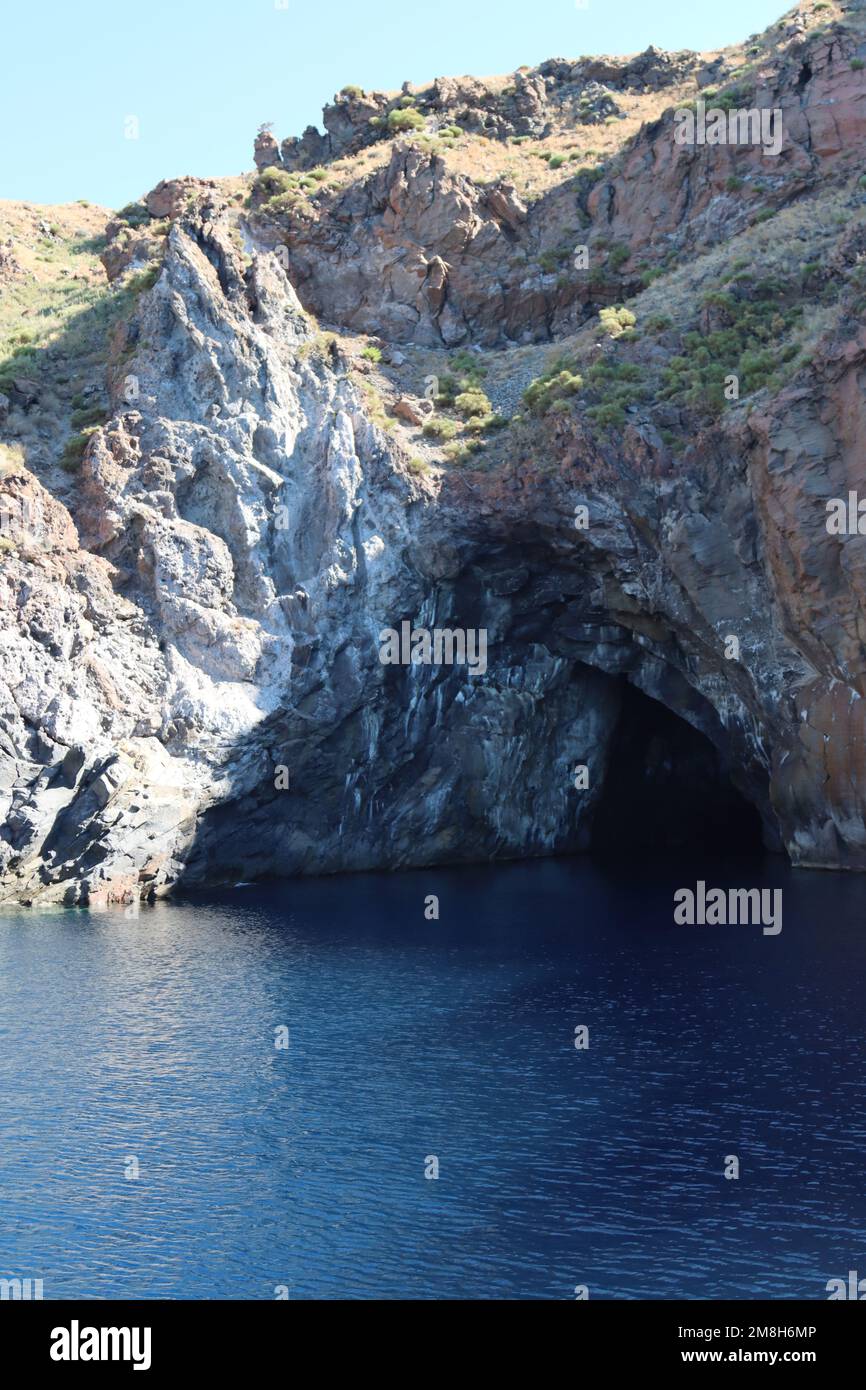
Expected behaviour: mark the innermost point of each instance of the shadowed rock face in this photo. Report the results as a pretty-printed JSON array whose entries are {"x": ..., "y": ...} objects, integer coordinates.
[{"x": 191, "y": 687}]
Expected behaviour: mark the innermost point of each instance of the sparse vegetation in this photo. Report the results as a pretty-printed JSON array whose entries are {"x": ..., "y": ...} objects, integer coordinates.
[
  {"x": 401, "y": 121},
  {"x": 11, "y": 459},
  {"x": 617, "y": 257},
  {"x": 617, "y": 385},
  {"x": 438, "y": 427},
  {"x": 459, "y": 452},
  {"x": 551, "y": 261},
  {"x": 749, "y": 326},
  {"x": 73, "y": 452},
  {"x": 554, "y": 386},
  {"x": 134, "y": 215},
  {"x": 88, "y": 415},
  {"x": 472, "y": 403},
  {"x": 616, "y": 321},
  {"x": 272, "y": 182}
]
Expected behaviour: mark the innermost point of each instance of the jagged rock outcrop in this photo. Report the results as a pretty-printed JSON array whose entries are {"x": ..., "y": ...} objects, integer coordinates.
[
  {"x": 191, "y": 688},
  {"x": 361, "y": 256},
  {"x": 248, "y": 534},
  {"x": 415, "y": 253},
  {"x": 559, "y": 89},
  {"x": 667, "y": 194}
]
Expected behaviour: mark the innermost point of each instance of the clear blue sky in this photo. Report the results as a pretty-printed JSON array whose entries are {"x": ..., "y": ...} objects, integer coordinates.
[{"x": 201, "y": 75}]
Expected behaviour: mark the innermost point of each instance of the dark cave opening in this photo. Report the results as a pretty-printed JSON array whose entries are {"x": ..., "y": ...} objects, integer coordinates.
[{"x": 666, "y": 788}]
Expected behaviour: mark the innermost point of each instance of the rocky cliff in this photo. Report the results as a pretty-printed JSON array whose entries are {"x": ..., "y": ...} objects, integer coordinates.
[{"x": 494, "y": 356}]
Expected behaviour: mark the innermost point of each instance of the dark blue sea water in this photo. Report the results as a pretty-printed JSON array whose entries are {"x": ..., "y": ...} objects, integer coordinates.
[{"x": 305, "y": 1168}]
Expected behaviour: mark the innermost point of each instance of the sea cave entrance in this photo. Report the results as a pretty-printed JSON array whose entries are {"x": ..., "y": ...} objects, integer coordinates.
[{"x": 667, "y": 788}]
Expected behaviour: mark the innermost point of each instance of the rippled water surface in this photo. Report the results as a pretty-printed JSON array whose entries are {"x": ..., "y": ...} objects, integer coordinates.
[{"x": 305, "y": 1167}]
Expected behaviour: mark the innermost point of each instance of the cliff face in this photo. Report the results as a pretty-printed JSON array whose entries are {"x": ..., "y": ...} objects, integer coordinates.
[{"x": 192, "y": 590}]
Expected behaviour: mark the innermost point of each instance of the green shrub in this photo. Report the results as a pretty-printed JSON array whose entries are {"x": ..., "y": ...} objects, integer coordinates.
[
  {"x": 616, "y": 321},
  {"x": 607, "y": 416},
  {"x": 73, "y": 451},
  {"x": 747, "y": 346},
  {"x": 459, "y": 452},
  {"x": 556, "y": 161},
  {"x": 134, "y": 214},
  {"x": 648, "y": 276},
  {"x": 439, "y": 428},
  {"x": 274, "y": 181},
  {"x": 617, "y": 256},
  {"x": 550, "y": 261},
  {"x": 88, "y": 415},
  {"x": 473, "y": 402},
  {"x": 284, "y": 203},
  {"x": 856, "y": 64},
  {"x": 554, "y": 385},
  {"x": 468, "y": 364},
  {"x": 617, "y": 386},
  {"x": 401, "y": 121},
  {"x": 606, "y": 370},
  {"x": 142, "y": 280},
  {"x": 451, "y": 132},
  {"x": 352, "y": 91},
  {"x": 372, "y": 354},
  {"x": 731, "y": 100}
]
